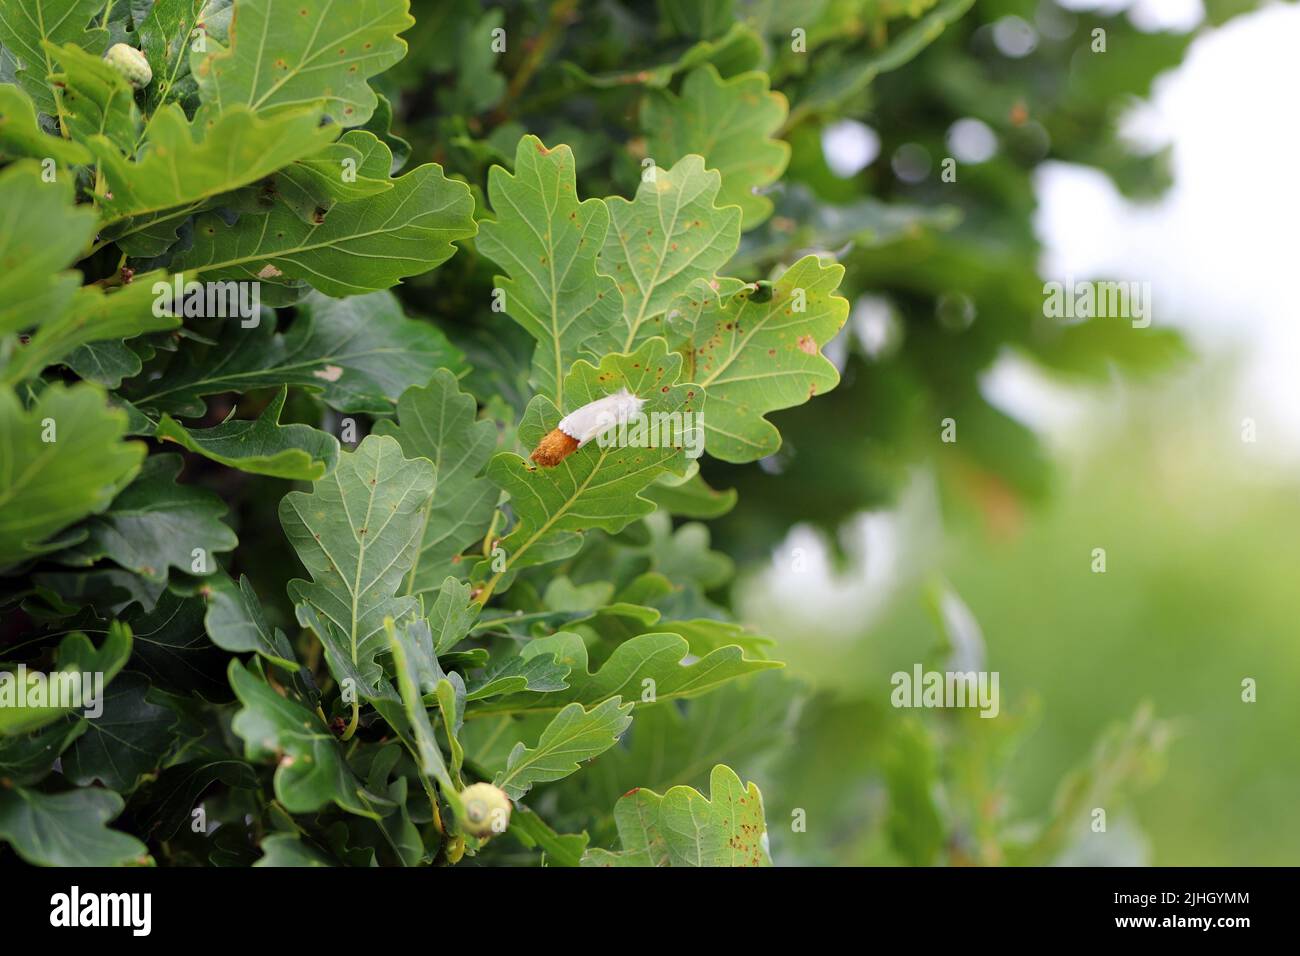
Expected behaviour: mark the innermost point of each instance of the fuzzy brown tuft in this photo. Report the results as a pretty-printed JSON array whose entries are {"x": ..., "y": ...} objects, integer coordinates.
[{"x": 554, "y": 447}]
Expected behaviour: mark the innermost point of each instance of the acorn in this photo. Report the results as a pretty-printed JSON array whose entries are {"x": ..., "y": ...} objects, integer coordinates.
[
  {"x": 131, "y": 64},
  {"x": 487, "y": 810}
]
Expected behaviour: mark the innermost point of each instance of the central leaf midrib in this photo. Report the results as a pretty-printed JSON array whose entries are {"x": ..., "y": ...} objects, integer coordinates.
[
  {"x": 560, "y": 512},
  {"x": 361, "y": 550}
]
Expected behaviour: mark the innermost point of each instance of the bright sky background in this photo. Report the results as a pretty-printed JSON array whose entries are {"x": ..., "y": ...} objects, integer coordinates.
[
  {"x": 1221, "y": 247},
  {"x": 1220, "y": 251}
]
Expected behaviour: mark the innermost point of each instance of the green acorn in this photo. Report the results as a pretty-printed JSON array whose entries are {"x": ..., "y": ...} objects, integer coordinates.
[
  {"x": 487, "y": 810},
  {"x": 131, "y": 63}
]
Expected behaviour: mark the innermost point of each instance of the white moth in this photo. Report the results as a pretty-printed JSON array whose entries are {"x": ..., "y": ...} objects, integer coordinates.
[
  {"x": 590, "y": 421},
  {"x": 595, "y": 418}
]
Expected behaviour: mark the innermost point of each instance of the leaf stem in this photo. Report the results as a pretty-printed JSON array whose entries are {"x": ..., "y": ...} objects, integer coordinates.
[
  {"x": 557, "y": 22},
  {"x": 352, "y": 726},
  {"x": 486, "y": 593}
]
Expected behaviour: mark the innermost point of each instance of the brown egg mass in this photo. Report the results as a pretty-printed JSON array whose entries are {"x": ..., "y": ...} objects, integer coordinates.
[{"x": 554, "y": 447}]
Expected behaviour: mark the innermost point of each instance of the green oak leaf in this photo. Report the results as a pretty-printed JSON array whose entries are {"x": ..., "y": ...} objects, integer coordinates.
[
  {"x": 67, "y": 829},
  {"x": 526, "y": 671},
  {"x": 261, "y": 446},
  {"x": 439, "y": 422},
  {"x": 361, "y": 353},
  {"x": 700, "y": 20},
  {"x": 737, "y": 50},
  {"x": 21, "y": 135},
  {"x": 92, "y": 315},
  {"x": 183, "y": 164},
  {"x": 153, "y": 234},
  {"x": 672, "y": 234},
  {"x": 479, "y": 83},
  {"x": 105, "y": 363},
  {"x": 75, "y": 655},
  {"x": 450, "y": 695},
  {"x": 286, "y": 849},
  {"x": 649, "y": 664},
  {"x": 706, "y": 634},
  {"x": 357, "y": 533},
  {"x": 166, "y": 37},
  {"x": 594, "y": 487},
  {"x": 420, "y": 660},
  {"x": 755, "y": 357},
  {"x": 283, "y": 53},
  {"x": 452, "y": 615},
  {"x": 684, "y": 311},
  {"x": 155, "y": 524},
  {"x": 217, "y": 16},
  {"x": 573, "y": 735},
  {"x": 559, "y": 849},
  {"x": 97, "y": 99},
  {"x": 360, "y": 246},
  {"x": 400, "y": 834},
  {"x": 402, "y": 645},
  {"x": 488, "y": 743},
  {"x": 172, "y": 648},
  {"x": 728, "y": 122},
  {"x": 28, "y": 758},
  {"x": 592, "y": 603},
  {"x": 236, "y": 623},
  {"x": 106, "y": 590},
  {"x": 548, "y": 242},
  {"x": 311, "y": 770},
  {"x": 59, "y": 481},
  {"x": 42, "y": 232},
  {"x": 180, "y": 790},
  {"x": 128, "y": 741},
  {"x": 27, "y": 25},
  {"x": 674, "y": 744},
  {"x": 911, "y": 768},
  {"x": 381, "y": 124},
  {"x": 844, "y": 77},
  {"x": 691, "y": 497},
  {"x": 682, "y": 555},
  {"x": 313, "y": 185},
  {"x": 684, "y": 828}
]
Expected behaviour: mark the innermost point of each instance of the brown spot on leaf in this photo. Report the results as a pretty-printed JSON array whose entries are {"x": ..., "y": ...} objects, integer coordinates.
[{"x": 329, "y": 373}]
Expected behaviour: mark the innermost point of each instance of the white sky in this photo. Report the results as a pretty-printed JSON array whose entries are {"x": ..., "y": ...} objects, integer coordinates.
[{"x": 1220, "y": 249}]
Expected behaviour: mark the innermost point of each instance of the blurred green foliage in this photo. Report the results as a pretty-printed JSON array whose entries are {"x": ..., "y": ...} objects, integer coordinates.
[{"x": 1194, "y": 600}]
